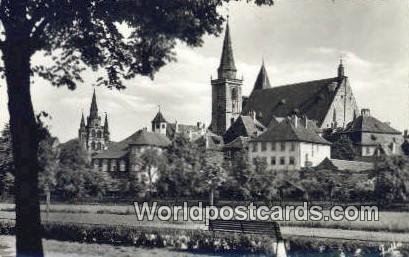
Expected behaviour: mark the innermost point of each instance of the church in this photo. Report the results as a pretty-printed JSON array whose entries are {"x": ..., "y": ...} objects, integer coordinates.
[{"x": 329, "y": 102}]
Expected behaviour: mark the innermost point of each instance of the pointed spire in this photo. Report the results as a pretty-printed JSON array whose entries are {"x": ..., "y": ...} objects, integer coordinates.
[
  {"x": 106, "y": 127},
  {"x": 94, "y": 108},
  {"x": 227, "y": 68},
  {"x": 341, "y": 70},
  {"x": 82, "y": 125},
  {"x": 262, "y": 81}
]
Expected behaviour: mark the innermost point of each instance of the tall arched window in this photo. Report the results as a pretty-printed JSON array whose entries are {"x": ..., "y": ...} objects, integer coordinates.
[
  {"x": 92, "y": 145},
  {"x": 99, "y": 146},
  {"x": 99, "y": 134},
  {"x": 93, "y": 133},
  {"x": 234, "y": 94}
]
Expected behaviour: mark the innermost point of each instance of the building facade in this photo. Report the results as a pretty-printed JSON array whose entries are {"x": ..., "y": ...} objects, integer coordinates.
[
  {"x": 94, "y": 134},
  {"x": 372, "y": 137},
  {"x": 289, "y": 145}
]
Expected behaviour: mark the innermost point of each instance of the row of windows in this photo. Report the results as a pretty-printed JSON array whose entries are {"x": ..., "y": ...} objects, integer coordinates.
[
  {"x": 97, "y": 134},
  {"x": 110, "y": 165},
  {"x": 277, "y": 161},
  {"x": 281, "y": 146},
  {"x": 96, "y": 146}
]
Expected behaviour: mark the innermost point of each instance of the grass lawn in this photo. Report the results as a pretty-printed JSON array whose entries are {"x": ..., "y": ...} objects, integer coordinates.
[{"x": 125, "y": 214}]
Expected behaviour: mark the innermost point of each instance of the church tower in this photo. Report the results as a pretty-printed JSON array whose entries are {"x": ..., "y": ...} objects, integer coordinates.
[
  {"x": 94, "y": 135},
  {"x": 226, "y": 90}
]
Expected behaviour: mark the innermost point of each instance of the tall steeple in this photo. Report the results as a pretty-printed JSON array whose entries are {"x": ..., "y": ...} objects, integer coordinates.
[
  {"x": 341, "y": 70},
  {"x": 262, "y": 81},
  {"x": 94, "y": 108},
  {"x": 227, "y": 68},
  {"x": 82, "y": 124}
]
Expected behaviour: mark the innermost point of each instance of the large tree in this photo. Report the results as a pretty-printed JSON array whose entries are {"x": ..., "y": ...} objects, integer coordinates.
[{"x": 76, "y": 34}]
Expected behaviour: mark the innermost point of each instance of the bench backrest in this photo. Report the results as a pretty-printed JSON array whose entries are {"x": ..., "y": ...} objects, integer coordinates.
[{"x": 271, "y": 229}]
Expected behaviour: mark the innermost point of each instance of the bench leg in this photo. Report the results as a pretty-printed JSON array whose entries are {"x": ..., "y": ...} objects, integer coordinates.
[{"x": 280, "y": 249}]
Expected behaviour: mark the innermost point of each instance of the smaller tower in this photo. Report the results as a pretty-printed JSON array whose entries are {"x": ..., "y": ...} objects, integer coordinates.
[
  {"x": 159, "y": 124},
  {"x": 106, "y": 129},
  {"x": 82, "y": 132}
]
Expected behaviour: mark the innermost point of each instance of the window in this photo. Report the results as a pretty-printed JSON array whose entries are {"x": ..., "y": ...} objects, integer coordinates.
[
  {"x": 93, "y": 133},
  {"x": 282, "y": 160},
  {"x": 282, "y": 146},
  {"x": 292, "y": 147},
  {"x": 254, "y": 161},
  {"x": 263, "y": 146},
  {"x": 273, "y": 146},
  {"x": 122, "y": 165},
  {"x": 96, "y": 163},
  {"x": 292, "y": 160},
  {"x": 93, "y": 146},
  {"x": 99, "y": 134},
  {"x": 163, "y": 126},
  {"x": 104, "y": 165},
  {"x": 273, "y": 160},
  {"x": 99, "y": 146},
  {"x": 158, "y": 126},
  {"x": 113, "y": 165},
  {"x": 255, "y": 147}
]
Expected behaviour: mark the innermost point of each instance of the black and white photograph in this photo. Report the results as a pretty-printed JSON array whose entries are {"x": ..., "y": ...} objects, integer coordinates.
[{"x": 204, "y": 128}]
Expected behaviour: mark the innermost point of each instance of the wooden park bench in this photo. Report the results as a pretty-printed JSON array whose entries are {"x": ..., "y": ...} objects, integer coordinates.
[{"x": 271, "y": 229}]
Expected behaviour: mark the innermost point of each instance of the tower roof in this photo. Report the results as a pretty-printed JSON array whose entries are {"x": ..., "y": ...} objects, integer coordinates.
[
  {"x": 82, "y": 125},
  {"x": 158, "y": 118},
  {"x": 262, "y": 81},
  {"x": 94, "y": 108},
  {"x": 227, "y": 59}
]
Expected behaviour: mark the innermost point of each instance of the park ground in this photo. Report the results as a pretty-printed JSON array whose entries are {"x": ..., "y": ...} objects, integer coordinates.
[{"x": 391, "y": 227}]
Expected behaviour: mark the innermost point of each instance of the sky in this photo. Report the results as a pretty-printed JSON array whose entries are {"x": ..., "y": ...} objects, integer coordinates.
[{"x": 299, "y": 41}]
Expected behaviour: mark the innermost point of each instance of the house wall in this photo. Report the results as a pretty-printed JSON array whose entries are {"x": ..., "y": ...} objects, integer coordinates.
[
  {"x": 390, "y": 141},
  {"x": 313, "y": 154},
  {"x": 299, "y": 152}
]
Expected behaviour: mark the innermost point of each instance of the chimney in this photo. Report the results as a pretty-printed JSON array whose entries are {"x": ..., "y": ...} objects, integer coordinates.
[
  {"x": 365, "y": 112},
  {"x": 176, "y": 126},
  {"x": 304, "y": 120},
  {"x": 388, "y": 123}
]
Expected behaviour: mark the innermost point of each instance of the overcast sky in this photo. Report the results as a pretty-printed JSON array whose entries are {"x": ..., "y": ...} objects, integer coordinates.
[{"x": 299, "y": 40}]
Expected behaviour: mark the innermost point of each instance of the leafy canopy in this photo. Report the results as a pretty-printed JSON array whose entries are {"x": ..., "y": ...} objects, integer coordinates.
[{"x": 122, "y": 37}]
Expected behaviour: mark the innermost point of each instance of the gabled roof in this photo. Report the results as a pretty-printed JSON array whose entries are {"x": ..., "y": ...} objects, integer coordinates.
[
  {"x": 343, "y": 165},
  {"x": 140, "y": 137},
  {"x": 158, "y": 118},
  {"x": 286, "y": 130},
  {"x": 262, "y": 81},
  {"x": 238, "y": 143},
  {"x": 312, "y": 98},
  {"x": 366, "y": 123},
  {"x": 245, "y": 126}
]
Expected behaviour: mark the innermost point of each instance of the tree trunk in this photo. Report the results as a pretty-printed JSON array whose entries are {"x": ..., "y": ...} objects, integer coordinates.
[
  {"x": 16, "y": 56},
  {"x": 48, "y": 201}
]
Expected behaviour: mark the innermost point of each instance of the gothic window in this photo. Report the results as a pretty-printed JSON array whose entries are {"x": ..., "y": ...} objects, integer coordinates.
[
  {"x": 93, "y": 146},
  {"x": 99, "y": 146},
  {"x": 99, "y": 134},
  {"x": 234, "y": 94},
  {"x": 93, "y": 133}
]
